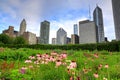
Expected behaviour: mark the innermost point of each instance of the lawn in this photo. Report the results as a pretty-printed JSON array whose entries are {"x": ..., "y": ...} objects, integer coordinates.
[{"x": 31, "y": 64}]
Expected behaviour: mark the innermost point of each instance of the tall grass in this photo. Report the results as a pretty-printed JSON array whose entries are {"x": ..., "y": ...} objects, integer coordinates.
[{"x": 88, "y": 65}]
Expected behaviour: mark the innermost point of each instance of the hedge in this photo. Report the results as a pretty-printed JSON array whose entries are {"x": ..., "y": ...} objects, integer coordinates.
[{"x": 110, "y": 46}]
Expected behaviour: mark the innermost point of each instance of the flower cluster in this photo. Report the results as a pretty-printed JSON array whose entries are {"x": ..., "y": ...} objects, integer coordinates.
[{"x": 57, "y": 59}]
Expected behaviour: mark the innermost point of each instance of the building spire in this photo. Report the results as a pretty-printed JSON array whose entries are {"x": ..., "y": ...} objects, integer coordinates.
[
  {"x": 89, "y": 13},
  {"x": 22, "y": 27}
]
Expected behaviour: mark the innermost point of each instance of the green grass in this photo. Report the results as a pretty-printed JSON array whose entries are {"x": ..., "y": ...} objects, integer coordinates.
[{"x": 12, "y": 60}]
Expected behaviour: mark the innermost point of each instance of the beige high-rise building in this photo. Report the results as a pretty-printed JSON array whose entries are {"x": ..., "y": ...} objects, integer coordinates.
[
  {"x": 87, "y": 32},
  {"x": 22, "y": 27},
  {"x": 30, "y": 37}
]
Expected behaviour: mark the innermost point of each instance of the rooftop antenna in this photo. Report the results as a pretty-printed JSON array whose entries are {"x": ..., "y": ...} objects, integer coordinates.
[{"x": 97, "y": 5}]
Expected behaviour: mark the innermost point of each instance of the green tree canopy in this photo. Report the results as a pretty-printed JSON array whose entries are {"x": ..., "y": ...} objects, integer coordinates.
[
  {"x": 19, "y": 40},
  {"x": 5, "y": 39}
]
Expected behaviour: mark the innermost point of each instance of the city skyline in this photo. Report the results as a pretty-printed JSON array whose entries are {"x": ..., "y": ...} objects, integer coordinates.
[{"x": 58, "y": 13}]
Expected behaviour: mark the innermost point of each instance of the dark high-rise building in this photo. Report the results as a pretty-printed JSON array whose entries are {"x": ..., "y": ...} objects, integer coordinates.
[
  {"x": 116, "y": 14},
  {"x": 22, "y": 27},
  {"x": 61, "y": 36},
  {"x": 74, "y": 39},
  {"x": 44, "y": 32},
  {"x": 98, "y": 19},
  {"x": 68, "y": 40}
]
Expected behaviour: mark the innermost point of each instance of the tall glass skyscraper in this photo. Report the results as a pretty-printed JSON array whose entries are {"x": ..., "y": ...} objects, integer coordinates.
[
  {"x": 116, "y": 14},
  {"x": 44, "y": 32},
  {"x": 75, "y": 29},
  {"x": 61, "y": 36},
  {"x": 98, "y": 19}
]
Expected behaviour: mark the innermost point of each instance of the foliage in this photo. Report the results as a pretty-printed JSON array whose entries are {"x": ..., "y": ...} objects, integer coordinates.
[
  {"x": 5, "y": 39},
  {"x": 19, "y": 40},
  {"x": 88, "y": 63},
  {"x": 109, "y": 46}
]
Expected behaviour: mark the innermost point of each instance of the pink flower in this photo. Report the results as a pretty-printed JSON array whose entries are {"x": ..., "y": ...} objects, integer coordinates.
[
  {"x": 52, "y": 58},
  {"x": 96, "y": 75},
  {"x": 38, "y": 55},
  {"x": 46, "y": 55},
  {"x": 64, "y": 55},
  {"x": 96, "y": 55},
  {"x": 72, "y": 65},
  {"x": 28, "y": 61},
  {"x": 71, "y": 78},
  {"x": 23, "y": 70},
  {"x": 106, "y": 66},
  {"x": 53, "y": 53},
  {"x": 58, "y": 63},
  {"x": 30, "y": 66},
  {"x": 100, "y": 66},
  {"x": 31, "y": 57},
  {"x": 39, "y": 58},
  {"x": 36, "y": 62}
]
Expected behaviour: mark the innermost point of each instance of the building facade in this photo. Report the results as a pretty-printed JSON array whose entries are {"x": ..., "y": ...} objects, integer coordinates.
[
  {"x": 53, "y": 41},
  {"x": 116, "y": 15},
  {"x": 44, "y": 32},
  {"x": 98, "y": 19},
  {"x": 87, "y": 32},
  {"x": 22, "y": 27},
  {"x": 61, "y": 36},
  {"x": 38, "y": 39},
  {"x": 30, "y": 37},
  {"x": 74, "y": 39},
  {"x": 10, "y": 32},
  {"x": 75, "y": 29},
  {"x": 68, "y": 40}
]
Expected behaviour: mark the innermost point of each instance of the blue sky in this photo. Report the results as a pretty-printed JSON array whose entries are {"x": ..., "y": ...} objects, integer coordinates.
[{"x": 60, "y": 13}]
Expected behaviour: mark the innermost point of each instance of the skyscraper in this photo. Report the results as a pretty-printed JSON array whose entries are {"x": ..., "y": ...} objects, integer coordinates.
[
  {"x": 53, "y": 40},
  {"x": 87, "y": 32},
  {"x": 116, "y": 14},
  {"x": 22, "y": 27},
  {"x": 98, "y": 19},
  {"x": 74, "y": 39},
  {"x": 44, "y": 32},
  {"x": 61, "y": 36},
  {"x": 75, "y": 29}
]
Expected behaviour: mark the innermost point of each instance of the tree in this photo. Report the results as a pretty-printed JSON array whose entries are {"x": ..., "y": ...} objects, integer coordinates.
[
  {"x": 5, "y": 39},
  {"x": 19, "y": 40}
]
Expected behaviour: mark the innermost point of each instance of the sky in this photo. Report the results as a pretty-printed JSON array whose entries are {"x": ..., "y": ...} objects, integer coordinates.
[{"x": 60, "y": 13}]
